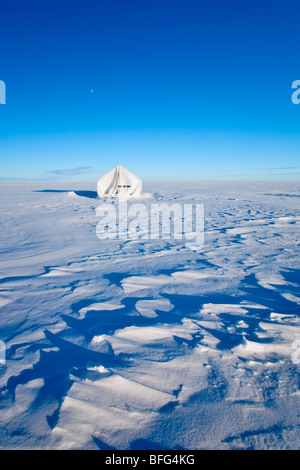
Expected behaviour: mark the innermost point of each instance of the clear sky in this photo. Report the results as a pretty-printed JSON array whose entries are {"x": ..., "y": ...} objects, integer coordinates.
[{"x": 171, "y": 89}]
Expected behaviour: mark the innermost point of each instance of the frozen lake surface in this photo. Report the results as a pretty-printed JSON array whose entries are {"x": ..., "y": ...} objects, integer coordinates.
[{"x": 146, "y": 344}]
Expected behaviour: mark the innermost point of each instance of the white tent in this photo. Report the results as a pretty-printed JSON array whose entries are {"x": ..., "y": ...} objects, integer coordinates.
[{"x": 119, "y": 182}]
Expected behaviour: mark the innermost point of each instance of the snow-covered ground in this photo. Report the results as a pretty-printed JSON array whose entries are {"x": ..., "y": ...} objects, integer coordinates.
[{"x": 143, "y": 344}]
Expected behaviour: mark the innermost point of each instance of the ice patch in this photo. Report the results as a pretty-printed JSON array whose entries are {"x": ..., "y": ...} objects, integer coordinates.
[
  {"x": 144, "y": 335},
  {"x": 147, "y": 307},
  {"x": 100, "y": 306},
  {"x": 215, "y": 309}
]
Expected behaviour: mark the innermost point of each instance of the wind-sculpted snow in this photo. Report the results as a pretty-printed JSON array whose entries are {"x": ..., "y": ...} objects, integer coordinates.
[{"x": 146, "y": 343}]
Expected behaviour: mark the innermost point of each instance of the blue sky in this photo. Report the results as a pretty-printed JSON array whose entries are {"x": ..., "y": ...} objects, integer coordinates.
[{"x": 171, "y": 89}]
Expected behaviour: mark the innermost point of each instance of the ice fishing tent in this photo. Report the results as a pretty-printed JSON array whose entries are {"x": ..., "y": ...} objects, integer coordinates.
[{"x": 119, "y": 182}]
